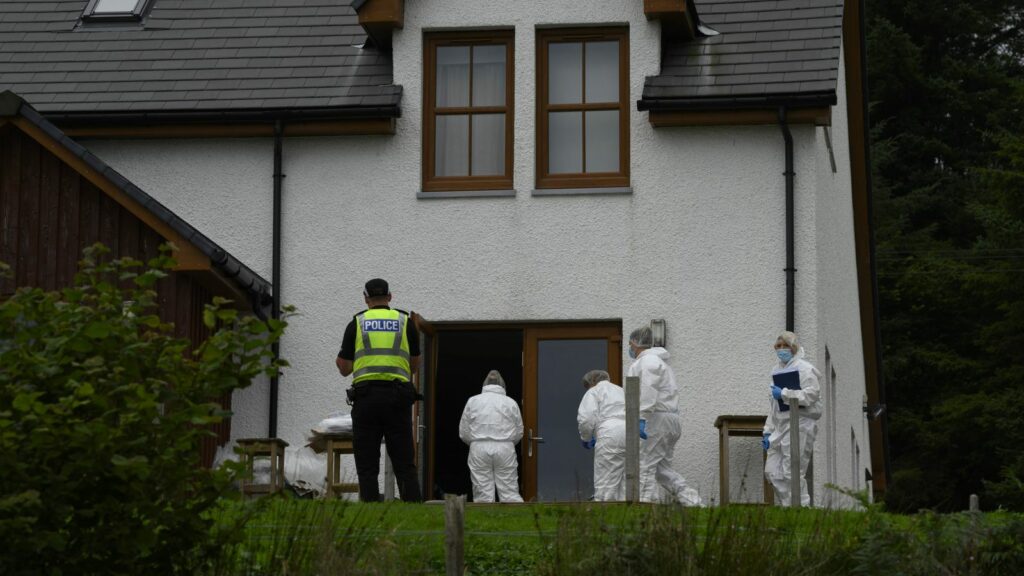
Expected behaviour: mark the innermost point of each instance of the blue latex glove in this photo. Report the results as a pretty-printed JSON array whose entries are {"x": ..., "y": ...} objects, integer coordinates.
[
  {"x": 765, "y": 443},
  {"x": 643, "y": 429},
  {"x": 776, "y": 392},
  {"x": 585, "y": 444},
  {"x": 593, "y": 442}
]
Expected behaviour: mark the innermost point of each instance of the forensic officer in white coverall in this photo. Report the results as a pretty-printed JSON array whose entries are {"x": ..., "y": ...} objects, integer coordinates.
[
  {"x": 777, "y": 469},
  {"x": 492, "y": 425},
  {"x": 601, "y": 420},
  {"x": 660, "y": 426}
]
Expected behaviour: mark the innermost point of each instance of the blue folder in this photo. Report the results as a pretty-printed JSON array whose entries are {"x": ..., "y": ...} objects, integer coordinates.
[{"x": 788, "y": 379}]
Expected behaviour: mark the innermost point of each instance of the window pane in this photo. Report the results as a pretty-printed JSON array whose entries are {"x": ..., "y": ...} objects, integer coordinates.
[
  {"x": 565, "y": 142},
  {"x": 565, "y": 72},
  {"x": 107, "y": 6},
  {"x": 603, "y": 141},
  {"x": 488, "y": 144},
  {"x": 451, "y": 146},
  {"x": 602, "y": 71},
  {"x": 488, "y": 75},
  {"x": 452, "y": 76}
]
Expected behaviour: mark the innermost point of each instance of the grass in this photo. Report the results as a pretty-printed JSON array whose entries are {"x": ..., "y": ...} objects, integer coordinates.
[{"x": 281, "y": 536}]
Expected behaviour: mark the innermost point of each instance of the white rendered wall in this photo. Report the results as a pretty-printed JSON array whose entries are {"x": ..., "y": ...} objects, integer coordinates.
[
  {"x": 838, "y": 307},
  {"x": 221, "y": 187},
  {"x": 700, "y": 242}
]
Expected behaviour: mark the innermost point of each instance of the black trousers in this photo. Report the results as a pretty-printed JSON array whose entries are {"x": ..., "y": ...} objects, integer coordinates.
[{"x": 383, "y": 409}]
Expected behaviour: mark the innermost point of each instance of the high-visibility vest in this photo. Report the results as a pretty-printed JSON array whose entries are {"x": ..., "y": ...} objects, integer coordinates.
[{"x": 382, "y": 347}]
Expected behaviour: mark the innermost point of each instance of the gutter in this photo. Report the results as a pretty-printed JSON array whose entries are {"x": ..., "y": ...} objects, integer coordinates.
[
  {"x": 761, "y": 101},
  {"x": 790, "y": 248},
  {"x": 275, "y": 308},
  {"x": 225, "y": 116}
]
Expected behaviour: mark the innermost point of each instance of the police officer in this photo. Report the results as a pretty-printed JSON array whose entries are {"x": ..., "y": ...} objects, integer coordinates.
[{"x": 381, "y": 350}]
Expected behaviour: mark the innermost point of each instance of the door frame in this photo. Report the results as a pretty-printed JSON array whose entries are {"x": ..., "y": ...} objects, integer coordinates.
[
  {"x": 540, "y": 330},
  {"x": 531, "y": 338},
  {"x": 430, "y": 331}
]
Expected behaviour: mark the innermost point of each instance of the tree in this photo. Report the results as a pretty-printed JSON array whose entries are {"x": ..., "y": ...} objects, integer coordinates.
[
  {"x": 101, "y": 415},
  {"x": 944, "y": 80}
]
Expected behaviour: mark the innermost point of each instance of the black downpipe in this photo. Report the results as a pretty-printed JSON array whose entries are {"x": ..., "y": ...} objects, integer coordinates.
[
  {"x": 790, "y": 263},
  {"x": 275, "y": 307}
]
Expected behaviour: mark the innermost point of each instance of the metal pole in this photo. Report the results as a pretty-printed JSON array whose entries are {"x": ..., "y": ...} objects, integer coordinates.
[
  {"x": 633, "y": 439},
  {"x": 275, "y": 272},
  {"x": 790, "y": 215},
  {"x": 454, "y": 506},
  {"x": 794, "y": 452}
]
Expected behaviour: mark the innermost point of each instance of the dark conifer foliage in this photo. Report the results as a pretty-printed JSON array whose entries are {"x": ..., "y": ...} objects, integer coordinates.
[{"x": 947, "y": 118}]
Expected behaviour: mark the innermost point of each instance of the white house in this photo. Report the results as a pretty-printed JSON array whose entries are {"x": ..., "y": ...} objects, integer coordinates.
[{"x": 534, "y": 177}]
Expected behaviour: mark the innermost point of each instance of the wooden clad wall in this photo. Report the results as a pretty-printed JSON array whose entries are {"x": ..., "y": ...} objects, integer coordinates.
[{"x": 49, "y": 213}]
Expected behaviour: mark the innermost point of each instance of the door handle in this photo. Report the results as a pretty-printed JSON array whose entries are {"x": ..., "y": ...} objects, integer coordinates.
[{"x": 530, "y": 439}]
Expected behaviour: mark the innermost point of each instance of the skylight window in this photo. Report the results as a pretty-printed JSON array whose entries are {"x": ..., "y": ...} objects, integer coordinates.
[{"x": 114, "y": 9}]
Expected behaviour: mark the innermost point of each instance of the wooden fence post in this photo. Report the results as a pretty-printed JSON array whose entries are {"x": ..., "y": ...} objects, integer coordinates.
[
  {"x": 454, "y": 507},
  {"x": 794, "y": 452},
  {"x": 633, "y": 439}
]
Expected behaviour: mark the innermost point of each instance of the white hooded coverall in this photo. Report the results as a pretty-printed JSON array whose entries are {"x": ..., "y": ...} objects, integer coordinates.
[
  {"x": 659, "y": 405},
  {"x": 492, "y": 425},
  {"x": 777, "y": 462},
  {"x": 602, "y": 416}
]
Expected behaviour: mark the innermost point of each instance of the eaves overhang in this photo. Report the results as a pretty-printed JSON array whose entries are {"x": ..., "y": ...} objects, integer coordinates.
[
  {"x": 226, "y": 116},
  {"x": 233, "y": 123},
  {"x": 720, "y": 103}
]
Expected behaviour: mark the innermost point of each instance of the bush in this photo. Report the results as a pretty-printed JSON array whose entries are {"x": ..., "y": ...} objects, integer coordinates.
[{"x": 102, "y": 411}]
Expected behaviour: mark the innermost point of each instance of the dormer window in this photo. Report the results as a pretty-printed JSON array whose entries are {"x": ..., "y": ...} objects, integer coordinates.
[{"x": 114, "y": 10}]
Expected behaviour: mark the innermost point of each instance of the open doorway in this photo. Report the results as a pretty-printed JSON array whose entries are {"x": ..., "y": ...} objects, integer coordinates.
[
  {"x": 462, "y": 359},
  {"x": 542, "y": 364}
]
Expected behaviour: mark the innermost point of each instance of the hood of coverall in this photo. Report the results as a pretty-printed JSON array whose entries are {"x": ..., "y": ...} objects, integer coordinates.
[
  {"x": 493, "y": 389},
  {"x": 656, "y": 351}
]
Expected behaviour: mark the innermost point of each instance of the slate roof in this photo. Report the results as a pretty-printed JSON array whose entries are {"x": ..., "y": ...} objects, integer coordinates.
[
  {"x": 768, "y": 52},
  {"x": 258, "y": 289},
  {"x": 195, "y": 56}
]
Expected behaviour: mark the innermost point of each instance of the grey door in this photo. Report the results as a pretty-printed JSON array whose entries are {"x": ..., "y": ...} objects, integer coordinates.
[{"x": 563, "y": 470}]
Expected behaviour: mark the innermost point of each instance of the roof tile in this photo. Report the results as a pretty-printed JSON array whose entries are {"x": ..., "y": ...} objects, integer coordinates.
[
  {"x": 764, "y": 47},
  {"x": 222, "y": 57}
]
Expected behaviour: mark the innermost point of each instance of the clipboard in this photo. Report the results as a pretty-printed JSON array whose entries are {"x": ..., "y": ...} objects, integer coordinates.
[{"x": 789, "y": 379}]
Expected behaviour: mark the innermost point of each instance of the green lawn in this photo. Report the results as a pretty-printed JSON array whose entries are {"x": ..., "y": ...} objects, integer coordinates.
[{"x": 322, "y": 537}]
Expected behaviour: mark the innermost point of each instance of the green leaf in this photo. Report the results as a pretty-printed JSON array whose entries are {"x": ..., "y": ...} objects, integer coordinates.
[
  {"x": 97, "y": 330},
  {"x": 23, "y": 402},
  {"x": 209, "y": 318}
]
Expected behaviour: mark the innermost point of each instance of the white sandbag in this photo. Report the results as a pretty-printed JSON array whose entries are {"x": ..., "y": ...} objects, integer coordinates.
[
  {"x": 337, "y": 423},
  {"x": 261, "y": 471},
  {"x": 225, "y": 453},
  {"x": 305, "y": 469}
]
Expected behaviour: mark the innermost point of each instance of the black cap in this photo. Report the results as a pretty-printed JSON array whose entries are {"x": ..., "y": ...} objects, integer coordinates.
[{"x": 376, "y": 287}]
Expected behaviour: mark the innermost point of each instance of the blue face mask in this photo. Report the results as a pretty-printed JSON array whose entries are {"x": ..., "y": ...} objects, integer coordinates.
[
  {"x": 785, "y": 355},
  {"x": 632, "y": 354}
]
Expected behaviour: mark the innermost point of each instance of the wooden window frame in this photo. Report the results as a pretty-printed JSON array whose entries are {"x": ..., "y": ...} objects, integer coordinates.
[
  {"x": 433, "y": 40},
  {"x": 593, "y": 179}
]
